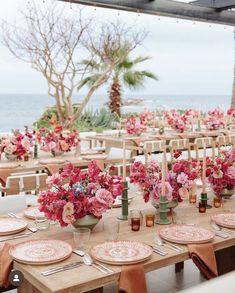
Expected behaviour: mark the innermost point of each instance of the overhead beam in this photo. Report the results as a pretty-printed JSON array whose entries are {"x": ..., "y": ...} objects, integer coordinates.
[
  {"x": 166, "y": 8},
  {"x": 217, "y": 4}
]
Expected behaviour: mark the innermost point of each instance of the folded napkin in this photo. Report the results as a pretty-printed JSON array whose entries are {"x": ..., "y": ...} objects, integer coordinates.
[
  {"x": 4, "y": 173},
  {"x": 53, "y": 168},
  {"x": 132, "y": 279},
  {"x": 204, "y": 258},
  {"x": 5, "y": 265}
]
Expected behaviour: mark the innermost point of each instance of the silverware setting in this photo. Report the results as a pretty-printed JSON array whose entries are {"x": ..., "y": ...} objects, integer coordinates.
[
  {"x": 29, "y": 227},
  {"x": 27, "y": 234},
  {"x": 88, "y": 260},
  {"x": 63, "y": 268},
  {"x": 159, "y": 241},
  {"x": 222, "y": 229}
]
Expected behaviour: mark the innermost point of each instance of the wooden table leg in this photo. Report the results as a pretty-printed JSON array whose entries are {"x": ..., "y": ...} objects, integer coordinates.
[
  {"x": 225, "y": 260},
  {"x": 27, "y": 287},
  {"x": 179, "y": 267}
]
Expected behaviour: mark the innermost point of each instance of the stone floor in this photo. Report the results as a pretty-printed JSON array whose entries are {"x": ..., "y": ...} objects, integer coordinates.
[{"x": 165, "y": 280}]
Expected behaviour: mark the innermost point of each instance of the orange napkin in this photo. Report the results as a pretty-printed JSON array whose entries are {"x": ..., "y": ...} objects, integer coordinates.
[
  {"x": 204, "y": 258},
  {"x": 53, "y": 168},
  {"x": 4, "y": 173},
  {"x": 132, "y": 279},
  {"x": 5, "y": 265}
]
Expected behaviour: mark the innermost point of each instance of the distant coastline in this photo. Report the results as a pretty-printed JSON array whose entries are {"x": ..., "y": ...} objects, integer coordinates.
[{"x": 18, "y": 110}]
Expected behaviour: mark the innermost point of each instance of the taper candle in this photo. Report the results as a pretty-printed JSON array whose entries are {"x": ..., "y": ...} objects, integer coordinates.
[
  {"x": 204, "y": 170},
  {"x": 164, "y": 173},
  {"x": 124, "y": 161}
]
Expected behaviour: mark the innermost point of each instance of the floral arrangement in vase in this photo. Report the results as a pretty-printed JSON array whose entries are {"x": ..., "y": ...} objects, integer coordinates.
[
  {"x": 147, "y": 118},
  {"x": 73, "y": 194},
  {"x": 215, "y": 120},
  {"x": 148, "y": 178},
  {"x": 17, "y": 145},
  {"x": 177, "y": 121},
  {"x": 134, "y": 125},
  {"x": 56, "y": 140},
  {"x": 221, "y": 172},
  {"x": 231, "y": 112}
]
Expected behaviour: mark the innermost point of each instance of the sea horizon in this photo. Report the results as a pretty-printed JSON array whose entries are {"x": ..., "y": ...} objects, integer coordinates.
[{"x": 19, "y": 110}]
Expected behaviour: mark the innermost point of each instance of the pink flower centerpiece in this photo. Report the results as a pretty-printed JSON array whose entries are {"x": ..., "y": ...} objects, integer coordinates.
[
  {"x": 73, "y": 194},
  {"x": 17, "y": 145},
  {"x": 221, "y": 172},
  {"x": 215, "y": 120},
  {"x": 176, "y": 121},
  {"x": 135, "y": 125},
  {"x": 148, "y": 179},
  {"x": 147, "y": 118},
  {"x": 57, "y": 140}
]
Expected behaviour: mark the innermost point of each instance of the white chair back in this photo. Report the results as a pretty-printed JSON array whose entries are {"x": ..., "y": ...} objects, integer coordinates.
[{"x": 12, "y": 204}]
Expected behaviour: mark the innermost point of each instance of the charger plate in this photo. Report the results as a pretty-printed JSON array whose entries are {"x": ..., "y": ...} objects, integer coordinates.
[
  {"x": 34, "y": 213},
  {"x": 9, "y": 165},
  {"x": 225, "y": 220},
  {"x": 121, "y": 252},
  {"x": 40, "y": 252},
  {"x": 52, "y": 161},
  {"x": 10, "y": 226},
  {"x": 186, "y": 234}
]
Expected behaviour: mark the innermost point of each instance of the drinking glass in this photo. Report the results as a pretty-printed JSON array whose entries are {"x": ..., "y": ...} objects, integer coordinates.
[
  {"x": 81, "y": 238},
  {"x": 111, "y": 229},
  {"x": 42, "y": 224}
]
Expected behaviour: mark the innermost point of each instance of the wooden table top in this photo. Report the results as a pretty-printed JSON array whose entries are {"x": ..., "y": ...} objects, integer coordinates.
[{"x": 86, "y": 278}]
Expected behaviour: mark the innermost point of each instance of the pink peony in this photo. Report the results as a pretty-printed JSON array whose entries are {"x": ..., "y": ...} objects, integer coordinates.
[
  {"x": 231, "y": 172},
  {"x": 96, "y": 207},
  {"x": 104, "y": 197}
]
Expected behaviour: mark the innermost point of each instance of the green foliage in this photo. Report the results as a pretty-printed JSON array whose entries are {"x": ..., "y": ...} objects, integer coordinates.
[{"x": 91, "y": 120}]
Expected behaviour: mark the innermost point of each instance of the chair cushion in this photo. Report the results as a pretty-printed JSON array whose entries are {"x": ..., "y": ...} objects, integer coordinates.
[{"x": 12, "y": 204}]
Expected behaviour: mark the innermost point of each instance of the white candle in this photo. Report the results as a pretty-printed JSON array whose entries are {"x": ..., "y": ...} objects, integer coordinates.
[
  {"x": 124, "y": 161},
  {"x": 204, "y": 170},
  {"x": 164, "y": 173}
]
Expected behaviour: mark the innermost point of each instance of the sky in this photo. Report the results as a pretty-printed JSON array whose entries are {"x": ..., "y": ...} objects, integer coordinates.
[{"x": 188, "y": 58}]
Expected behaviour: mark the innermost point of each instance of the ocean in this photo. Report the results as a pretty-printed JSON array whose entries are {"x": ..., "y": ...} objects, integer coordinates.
[{"x": 18, "y": 110}]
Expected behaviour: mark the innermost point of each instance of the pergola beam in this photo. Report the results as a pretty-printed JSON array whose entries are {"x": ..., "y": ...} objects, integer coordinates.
[{"x": 166, "y": 8}]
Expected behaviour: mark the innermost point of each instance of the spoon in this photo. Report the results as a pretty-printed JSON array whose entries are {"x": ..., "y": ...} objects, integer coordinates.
[{"x": 89, "y": 262}]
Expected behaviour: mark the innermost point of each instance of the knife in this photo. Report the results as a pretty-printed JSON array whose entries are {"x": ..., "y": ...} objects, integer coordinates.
[
  {"x": 61, "y": 268},
  {"x": 15, "y": 237}
]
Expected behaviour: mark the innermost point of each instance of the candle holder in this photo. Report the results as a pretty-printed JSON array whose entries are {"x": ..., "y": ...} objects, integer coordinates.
[
  {"x": 202, "y": 207},
  {"x": 217, "y": 202},
  {"x": 149, "y": 220},
  {"x": 35, "y": 151},
  {"x": 135, "y": 224},
  {"x": 163, "y": 210},
  {"x": 192, "y": 198},
  {"x": 204, "y": 199},
  {"x": 124, "y": 198}
]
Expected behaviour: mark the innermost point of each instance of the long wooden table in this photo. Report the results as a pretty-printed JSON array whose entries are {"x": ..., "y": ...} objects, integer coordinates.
[
  {"x": 86, "y": 278},
  {"x": 138, "y": 141}
]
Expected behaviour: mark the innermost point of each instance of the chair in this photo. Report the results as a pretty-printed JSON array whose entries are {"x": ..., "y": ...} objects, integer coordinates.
[
  {"x": 199, "y": 144},
  {"x": 12, "y": 204},
  {"x": 224, "y": 142},
  {"x": 17, "y": 183},
  {"x": 180, "y": 145},
  {"x": 115, "y": 157},
  {"x": 154, "y": 146}
]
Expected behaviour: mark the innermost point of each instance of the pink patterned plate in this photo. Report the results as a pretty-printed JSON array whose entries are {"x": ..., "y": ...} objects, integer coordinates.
[
  {"x": 11, "y": 226},
  {"x": 121, "y": 252},
  {"x": 225, "y": 219},
  {"x": 90, "y": 152},
  {"x": 9, "y": 165},
  {"x": 95, "y": 157},
  {"x": 186, "y": 234},
  {"x": 33, "y": 213},
  {"x": 39, "y": 252},
  {"x": 52, "y": 161}
]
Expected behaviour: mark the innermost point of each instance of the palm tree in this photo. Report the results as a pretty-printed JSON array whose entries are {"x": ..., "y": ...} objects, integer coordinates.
[{"x": 125, "y": 74}]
